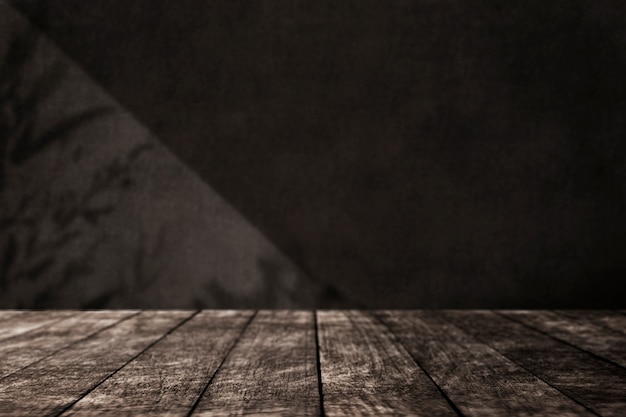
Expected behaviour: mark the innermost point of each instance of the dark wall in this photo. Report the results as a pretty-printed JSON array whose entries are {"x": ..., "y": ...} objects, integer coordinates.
[{"x": 414, "y": 154}]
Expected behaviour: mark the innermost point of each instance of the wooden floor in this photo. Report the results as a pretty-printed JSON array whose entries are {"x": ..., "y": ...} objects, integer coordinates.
[{"x": 304, "y": 363}]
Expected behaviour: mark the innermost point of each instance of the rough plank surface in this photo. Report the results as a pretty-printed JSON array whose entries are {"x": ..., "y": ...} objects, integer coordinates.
[
  {"x": 476, "y": 378},
  {"x": 51, "y": 385},
  {"x": 587, "y": 336},
  {"x": 607, "y": 319},
  {"x": 5, "y": 314},
  {"x": 271, "y": 371},
  {"x": 597, "y": 384},
  {"x": 17, "y": 324},
  {"x": 365, "y": 372},
  {"x": 329, "y": 363},
  {"x": 168, "y": 378},
  {"x": 24, "y": 349}
]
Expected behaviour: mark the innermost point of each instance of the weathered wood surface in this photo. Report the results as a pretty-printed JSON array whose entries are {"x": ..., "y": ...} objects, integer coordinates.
[
  {"x": 50, "y": 386},
  {"x": 271, "y": 371},
  {"x": 162, "y": 380},
  {"x": 592, "y": 338},
  {"x": 24, "y": 349},
  {"x": 366, "y": 372},
  {"x": 476, "y": 378},
  {"x": 5, "y": 314},
  {"x": 594, "y": 383},
  {"x": 329, "y": 363},
  {"x": 607, "y": 319},
  {"x": 16, "y": 324}
]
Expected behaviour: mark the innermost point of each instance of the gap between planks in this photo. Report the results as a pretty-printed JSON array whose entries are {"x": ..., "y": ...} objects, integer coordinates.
[
  {"x": 339, "y": 361},
  {"x": 596, "y": 384}
]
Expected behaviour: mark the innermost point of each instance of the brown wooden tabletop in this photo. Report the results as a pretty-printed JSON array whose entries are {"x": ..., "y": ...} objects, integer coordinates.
[{"x": 305, "y": 363}]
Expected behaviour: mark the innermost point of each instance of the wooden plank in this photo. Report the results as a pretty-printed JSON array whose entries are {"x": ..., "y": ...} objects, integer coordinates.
[
  {"x": 603, "y": 318},
  {"x": 5, "y": 314},
  {"x": 271, "y": 371},
  {"x": 24, "y": 349},
  {"x": 597, "y": 384},
  {"x": 48, "y": 387},
  {"x": 168, "y": 378},
  {"x": 366, "y": 372},
  {"x": 476, "y": 378},
  {"x": 587, "y": 336},
  {"x": 15, "y": 325}
]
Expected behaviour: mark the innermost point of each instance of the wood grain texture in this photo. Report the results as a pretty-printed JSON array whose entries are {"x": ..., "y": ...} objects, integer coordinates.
[
  {"x": 51, "y": 385},
  {"x": 603, "y": 318},
  {"x": 329, "y": 363},
  {"x": 271, "y": 371},
  {"x": 17, "y": 324},
  {"x": 24, "y": 349},
  {"x": 476, "y": 378},
  {"x": 597, "y": 384},
  {"x": 365, "y": 372},
  {"x": 587, "y": 336},
  {"x": 167, "y": 378}
]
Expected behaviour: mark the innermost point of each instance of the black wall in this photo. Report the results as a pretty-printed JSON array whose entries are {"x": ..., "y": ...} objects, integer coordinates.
[{"x": 409, "y": 153}]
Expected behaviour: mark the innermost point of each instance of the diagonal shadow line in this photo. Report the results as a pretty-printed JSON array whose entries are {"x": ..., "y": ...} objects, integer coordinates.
[{"x": 337, "y": 295}]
